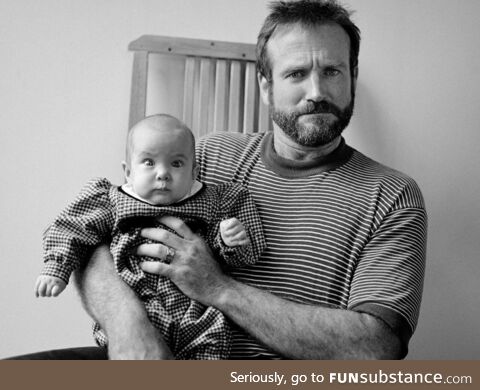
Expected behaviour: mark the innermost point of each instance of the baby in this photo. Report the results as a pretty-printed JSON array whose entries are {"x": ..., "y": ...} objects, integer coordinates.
[{"x": 160, "y": 172}]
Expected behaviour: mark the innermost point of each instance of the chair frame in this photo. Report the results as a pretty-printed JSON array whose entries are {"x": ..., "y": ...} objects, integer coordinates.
[{"x": 224, "y": 69}]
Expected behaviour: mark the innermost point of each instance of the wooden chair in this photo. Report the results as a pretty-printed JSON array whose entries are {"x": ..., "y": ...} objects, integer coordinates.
[{"x": 214, "y": 81}]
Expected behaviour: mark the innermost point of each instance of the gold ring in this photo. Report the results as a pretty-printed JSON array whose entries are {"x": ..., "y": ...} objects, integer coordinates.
[{"x": 170, "y": 255}]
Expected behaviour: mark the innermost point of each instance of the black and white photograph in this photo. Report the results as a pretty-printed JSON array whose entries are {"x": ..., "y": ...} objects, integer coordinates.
[{"x": 255, "y": 179}]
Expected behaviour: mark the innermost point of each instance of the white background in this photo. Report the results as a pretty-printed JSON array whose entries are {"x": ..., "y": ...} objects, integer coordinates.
[{"x": 64, "y": 98}]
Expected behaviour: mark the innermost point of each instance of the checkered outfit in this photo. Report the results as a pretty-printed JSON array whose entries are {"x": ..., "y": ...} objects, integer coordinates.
[{"x": 104, "y": 213}]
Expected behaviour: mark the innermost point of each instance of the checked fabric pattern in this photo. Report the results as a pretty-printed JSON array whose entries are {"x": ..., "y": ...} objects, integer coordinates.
[{"x": 103, "y": 213}]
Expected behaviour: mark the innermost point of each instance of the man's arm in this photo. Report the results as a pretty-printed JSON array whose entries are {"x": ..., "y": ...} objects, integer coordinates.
[
  {"x": 116, "y": 307},
  {"x": 293, "y": 330},
  {"x": 304, "y": 331}
]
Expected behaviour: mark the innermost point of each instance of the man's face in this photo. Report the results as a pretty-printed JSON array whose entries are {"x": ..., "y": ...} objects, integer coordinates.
[{"x": 311, "y": 94}]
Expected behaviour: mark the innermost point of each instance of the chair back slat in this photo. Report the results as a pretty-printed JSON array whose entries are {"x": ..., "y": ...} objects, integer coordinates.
[
  {"x": 202, "y": 123},
  {"x": 138, "y": 99},
  {"x": 251, "y": 97},
  {"x": 235, "y": 97},
  {"x": 188, "y": 91},
  {"x": 221, "y": 96}
]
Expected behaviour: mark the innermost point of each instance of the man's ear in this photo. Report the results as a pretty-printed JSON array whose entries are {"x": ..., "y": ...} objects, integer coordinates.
[
  {"x": 264, "y": 87},
  {"x": 126, "y": 171},
  {"x": 355, "y": 78}
]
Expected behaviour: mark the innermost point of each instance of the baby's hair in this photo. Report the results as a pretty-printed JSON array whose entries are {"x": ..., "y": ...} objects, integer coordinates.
[{"x": 158, "y": 121}]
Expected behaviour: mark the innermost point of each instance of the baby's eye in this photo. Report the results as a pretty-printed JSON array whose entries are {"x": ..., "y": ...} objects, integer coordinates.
[
  {"x": 177, "y": 164},
  {"x": 148, "y": 162}
]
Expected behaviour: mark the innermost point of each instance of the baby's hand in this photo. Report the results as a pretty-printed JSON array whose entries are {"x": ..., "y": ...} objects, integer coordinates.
[
  {"x": 49, "y": 286},
  {"x": 233, "y": 232}
]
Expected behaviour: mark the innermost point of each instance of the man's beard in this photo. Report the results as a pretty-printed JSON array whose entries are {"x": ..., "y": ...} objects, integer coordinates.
[{"x": 321, "y": 130}]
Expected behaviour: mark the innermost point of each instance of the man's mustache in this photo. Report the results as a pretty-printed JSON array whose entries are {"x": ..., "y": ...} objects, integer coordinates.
[{"x": 321, "y": 107}]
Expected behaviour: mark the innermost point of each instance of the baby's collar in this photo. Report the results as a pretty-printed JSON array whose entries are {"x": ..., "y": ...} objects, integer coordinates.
[{"x": 197, "y": 186}]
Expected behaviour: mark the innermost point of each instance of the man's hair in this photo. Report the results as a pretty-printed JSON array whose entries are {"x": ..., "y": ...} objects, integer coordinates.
[
  {"x": 158, "y": 121},
  {"x": 307, "y": 13}
]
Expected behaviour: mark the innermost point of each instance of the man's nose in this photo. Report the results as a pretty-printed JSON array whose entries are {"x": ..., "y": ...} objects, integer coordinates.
[{"x": 316, "y": 88}]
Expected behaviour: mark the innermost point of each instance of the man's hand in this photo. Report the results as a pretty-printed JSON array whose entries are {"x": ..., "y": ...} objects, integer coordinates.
[{"x": 192, "y": 266}]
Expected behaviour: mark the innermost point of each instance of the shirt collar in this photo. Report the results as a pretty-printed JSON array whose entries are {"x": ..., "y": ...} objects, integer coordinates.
[{"x": 293, "y": 168}]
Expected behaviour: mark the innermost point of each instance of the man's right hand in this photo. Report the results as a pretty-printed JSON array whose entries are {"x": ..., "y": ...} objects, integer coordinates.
[{"x": 192, "y": 266}]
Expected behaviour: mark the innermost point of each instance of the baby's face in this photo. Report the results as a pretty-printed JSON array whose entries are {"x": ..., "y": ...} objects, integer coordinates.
[{"x": 161, "y": 170}]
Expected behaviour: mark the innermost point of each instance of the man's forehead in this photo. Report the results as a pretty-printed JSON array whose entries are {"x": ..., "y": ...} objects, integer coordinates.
[{"x": 296, "y": 39}]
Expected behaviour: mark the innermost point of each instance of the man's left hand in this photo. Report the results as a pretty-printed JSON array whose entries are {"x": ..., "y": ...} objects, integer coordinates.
[{"x": 191, "y": 266}]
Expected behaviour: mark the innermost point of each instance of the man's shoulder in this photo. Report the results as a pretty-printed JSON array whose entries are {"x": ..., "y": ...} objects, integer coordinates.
[
  {"x": 374, "y": 168},
  {"x": 389, "y": 179},
  {"x": 225, "y": 157},
  {"x": 234, "y": 135},
  {"x": 229, "y": 141}
]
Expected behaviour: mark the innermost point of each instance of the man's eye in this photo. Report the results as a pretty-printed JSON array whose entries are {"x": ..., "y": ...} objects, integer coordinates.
[
  {"x": 332, "y": 72},
  {"x": 296, "y": 75},
  {"x": 177, "y": 164},
  {"x": 148, "y": 162}
]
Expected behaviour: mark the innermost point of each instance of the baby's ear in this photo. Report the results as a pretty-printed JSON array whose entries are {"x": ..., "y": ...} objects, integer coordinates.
[
  {"x": 126, "y": 170},
  {"x": 196, "y": 171}
]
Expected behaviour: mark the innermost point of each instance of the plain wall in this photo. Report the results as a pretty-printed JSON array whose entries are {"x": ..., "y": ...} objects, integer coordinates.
[{"x": 64, "y": 97}]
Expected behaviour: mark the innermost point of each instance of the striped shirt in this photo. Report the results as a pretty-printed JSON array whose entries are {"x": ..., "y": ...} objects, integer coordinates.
[{"x": 342, "y": 231}]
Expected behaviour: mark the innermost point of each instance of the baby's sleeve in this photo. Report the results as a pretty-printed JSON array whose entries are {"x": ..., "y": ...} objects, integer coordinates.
[
  {"x": 84, "y": 224},
  {"x": 236, "y": 202}
]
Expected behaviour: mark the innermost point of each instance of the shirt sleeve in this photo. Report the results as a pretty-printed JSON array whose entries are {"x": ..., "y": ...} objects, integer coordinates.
[
  {"x": 388, "y": 281},
  {"x": 237, "y": 202},
  {"x": 80, "y": 227}
]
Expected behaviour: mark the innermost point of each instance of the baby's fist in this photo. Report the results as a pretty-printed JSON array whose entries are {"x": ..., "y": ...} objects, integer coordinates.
[
  {"x": 233, "y": 232},
  {"x": 49, "y": 286}
]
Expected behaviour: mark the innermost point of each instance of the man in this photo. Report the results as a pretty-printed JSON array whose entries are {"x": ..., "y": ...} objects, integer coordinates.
[
  {"x": 343, "y": 270},
  {"x": 342, "y": 274}
]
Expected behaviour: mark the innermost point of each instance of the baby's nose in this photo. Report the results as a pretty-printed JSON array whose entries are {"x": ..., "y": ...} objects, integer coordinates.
[{"x": 162, "y": 174}]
